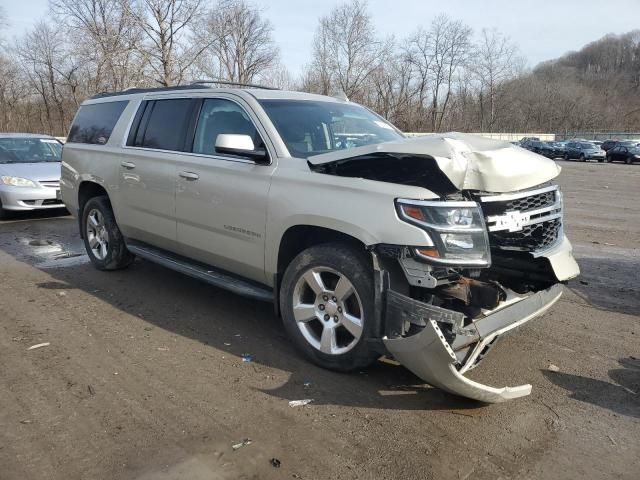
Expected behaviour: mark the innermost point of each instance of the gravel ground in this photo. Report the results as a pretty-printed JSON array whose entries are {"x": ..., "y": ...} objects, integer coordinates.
[{"x": 143, "y": 377}]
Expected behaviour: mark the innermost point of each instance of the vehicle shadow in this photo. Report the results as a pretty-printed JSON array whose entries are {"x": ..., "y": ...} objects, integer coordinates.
[
  {"x": 233, "y": 324},
  {"x": 621, "y": 397}
]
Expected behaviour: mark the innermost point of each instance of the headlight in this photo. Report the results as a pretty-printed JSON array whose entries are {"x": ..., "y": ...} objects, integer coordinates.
[
  {"x": 456, "y": 228},
  {"x": 17, "y": 181}
]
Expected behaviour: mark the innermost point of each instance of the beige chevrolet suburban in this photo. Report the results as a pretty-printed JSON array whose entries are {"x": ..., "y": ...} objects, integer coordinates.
[{"x": 366, "y": 242}]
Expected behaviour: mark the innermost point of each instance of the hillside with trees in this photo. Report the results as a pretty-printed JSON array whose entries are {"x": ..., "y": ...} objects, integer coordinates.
[{"x": 441, "y": 76}]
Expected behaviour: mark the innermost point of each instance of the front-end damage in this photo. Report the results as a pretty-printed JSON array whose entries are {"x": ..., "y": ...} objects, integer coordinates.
[
  {"x": 432, "y": 357},
  {"x": 444, "y": 310},
  {"x": 495, "y": 255}
]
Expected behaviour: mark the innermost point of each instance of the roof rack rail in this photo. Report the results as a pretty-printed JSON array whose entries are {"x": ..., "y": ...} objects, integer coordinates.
[{"x": 228, "y": 82}]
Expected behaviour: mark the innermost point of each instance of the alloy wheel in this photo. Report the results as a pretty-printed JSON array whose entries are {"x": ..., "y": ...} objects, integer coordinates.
[
  {"x": 97, "y": 234},
  {"x": 328, "y": 310}
]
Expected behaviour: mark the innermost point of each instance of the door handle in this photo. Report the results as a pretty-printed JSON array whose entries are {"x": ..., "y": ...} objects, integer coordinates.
[
  {"x": 189, "y": 176},
  {"x": 128, "y": 165}
]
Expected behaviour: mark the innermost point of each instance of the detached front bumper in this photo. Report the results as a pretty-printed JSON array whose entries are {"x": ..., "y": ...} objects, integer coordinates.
[
  {"x": 431, "y": 357},
  {"x": 28, "y": 198}
]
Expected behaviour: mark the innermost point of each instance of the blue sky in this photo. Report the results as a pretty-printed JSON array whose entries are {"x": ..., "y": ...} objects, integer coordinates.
[{"x": 543, "y": 29}]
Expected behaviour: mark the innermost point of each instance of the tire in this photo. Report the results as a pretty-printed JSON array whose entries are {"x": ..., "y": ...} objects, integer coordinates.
[
  {"x": 4, "y": 214},
  {"x": 609, "y": 159},
  {"x": 600, "y": 160},
  {"x": 628, "y": 161},
  {"x": 566, "y": 156},
  {"x": 102, "y": 238},
  {"x": 582, "y": 158},
  {"x": 315, "y": 332}
]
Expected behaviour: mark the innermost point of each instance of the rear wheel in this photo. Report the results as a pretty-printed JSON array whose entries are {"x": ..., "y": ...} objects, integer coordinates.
[
  {"x": 582, "y": 158},
  {"x": 327, "y": 305},
  {"x": 609, "y": 159},
  {"x": 102, "y": 237},
  {"x": 566, "y": 156},
  {"x": 628, "y": 161}
]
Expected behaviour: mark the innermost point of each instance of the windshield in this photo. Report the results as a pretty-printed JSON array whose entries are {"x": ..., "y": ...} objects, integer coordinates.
[
  {"x": 29, "y": 150},
  {"x": 588, "y": 146},
  {"x": 310, "y": 128}
]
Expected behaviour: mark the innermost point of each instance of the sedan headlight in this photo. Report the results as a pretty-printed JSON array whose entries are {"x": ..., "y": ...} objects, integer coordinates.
[
  {"x": 456, "y": 228},
  {"x": 17, "y": 181}
]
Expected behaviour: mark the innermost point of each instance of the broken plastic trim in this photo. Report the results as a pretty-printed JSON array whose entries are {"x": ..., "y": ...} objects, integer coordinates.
[{"x": 429, "y": 355}]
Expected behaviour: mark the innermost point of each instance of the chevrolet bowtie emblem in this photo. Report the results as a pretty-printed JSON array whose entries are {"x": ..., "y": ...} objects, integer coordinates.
[{"x": 512, "y": 221}]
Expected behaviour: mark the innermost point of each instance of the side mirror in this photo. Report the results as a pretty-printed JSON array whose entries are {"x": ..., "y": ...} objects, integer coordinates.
[{"x": 241, "y": 146}]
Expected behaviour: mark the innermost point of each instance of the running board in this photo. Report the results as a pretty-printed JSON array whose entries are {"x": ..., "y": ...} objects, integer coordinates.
[{"x": 202, "y": 272}]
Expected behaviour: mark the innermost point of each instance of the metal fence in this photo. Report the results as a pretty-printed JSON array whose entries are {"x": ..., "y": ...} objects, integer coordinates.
[{"x": 515, "y": 137}]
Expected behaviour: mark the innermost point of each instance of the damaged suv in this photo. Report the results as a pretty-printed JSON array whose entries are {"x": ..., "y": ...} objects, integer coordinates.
[{"x": 367, "y": 243}]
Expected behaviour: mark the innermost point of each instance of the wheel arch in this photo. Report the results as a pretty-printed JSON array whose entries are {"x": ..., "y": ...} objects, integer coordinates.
[
  {"x": 87, "y": 190},
  {"x": 300, "y": 237}
]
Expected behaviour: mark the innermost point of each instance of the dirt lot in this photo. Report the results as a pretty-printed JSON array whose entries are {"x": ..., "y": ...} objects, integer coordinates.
[{"x": 144, "y": 376}]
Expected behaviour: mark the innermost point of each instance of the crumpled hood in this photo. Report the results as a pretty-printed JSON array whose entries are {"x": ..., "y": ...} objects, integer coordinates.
[
  {"x": 33, "y": 171},
  {"x": 469, "y": 161}
]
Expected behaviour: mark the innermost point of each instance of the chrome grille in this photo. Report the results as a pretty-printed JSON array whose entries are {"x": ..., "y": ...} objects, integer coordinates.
[{"x": 529, "y": 220}]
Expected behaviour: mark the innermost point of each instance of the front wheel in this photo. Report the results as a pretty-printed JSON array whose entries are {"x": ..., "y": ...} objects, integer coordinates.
[
  {"x": 566, "y": 156},
  {"x": 583, "y": 158},
  {"x": 327, "y": 304},
  {"x": 628, "y": 161},
  {"x": 102, "y": 237}
]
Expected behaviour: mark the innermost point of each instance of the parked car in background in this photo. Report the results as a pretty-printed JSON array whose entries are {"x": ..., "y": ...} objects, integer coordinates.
[
  {"x": 560, "y": 148},
  {"x": 29, "y": 172},
  {"x": 532, "y": 145},
  {"x": 607, "y": 144},
  {"x": 583, "y": 151},
  {"x": 624, "y": 153}
]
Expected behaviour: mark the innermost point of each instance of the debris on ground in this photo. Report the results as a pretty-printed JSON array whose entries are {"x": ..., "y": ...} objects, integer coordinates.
[
  {"x": 39, "y": 345},
  {"x": 306, "y": 384},
  {"x": 613, "y": 442},
  {"x": 227, "y": 344},
  {"x": 584, "y": 282},
  {"x": 62, "y": 294},
  {"x": 553, "y": 368},
  {"x": 25, "y": 422},
  {"x": 300, "y": 403},
  {"x": 91, "y": 390},
  {"x": 275, "y": 463},
  {"x": 246, "y": 441},
  {"x": 163, "y": 349},
  {"x": 247, "y": 357}
]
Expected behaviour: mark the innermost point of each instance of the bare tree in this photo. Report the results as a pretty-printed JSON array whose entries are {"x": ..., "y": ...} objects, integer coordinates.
[
  {"x": 165, "y": 25},
  {"x": 346, "y": 50},
  {"x": 437, "y": 55},
  {"x": 240, "y": 42},
  {"x": 41, "y": 52},
  {"x": 107, "y": 37},
  {"x": 495, "y": 62}
]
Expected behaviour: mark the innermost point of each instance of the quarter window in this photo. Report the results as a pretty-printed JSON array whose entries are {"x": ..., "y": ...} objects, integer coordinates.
[
  {"x": 95, "y": 122},
  {"x": 218, "y": 116}
]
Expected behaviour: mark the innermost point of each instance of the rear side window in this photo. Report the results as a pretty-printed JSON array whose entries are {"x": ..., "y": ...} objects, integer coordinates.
[
  {"x": 94, "y": 123},
  {"x": 164, "y": 124}
]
